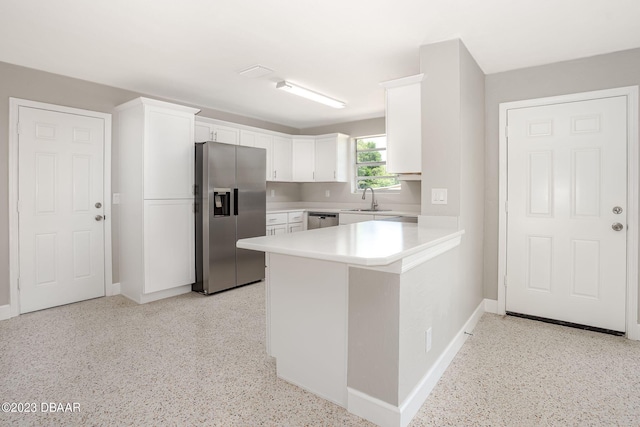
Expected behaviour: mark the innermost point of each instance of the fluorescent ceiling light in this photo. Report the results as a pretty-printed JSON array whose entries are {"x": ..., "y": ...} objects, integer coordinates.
[{"x": 309, "y": 94}]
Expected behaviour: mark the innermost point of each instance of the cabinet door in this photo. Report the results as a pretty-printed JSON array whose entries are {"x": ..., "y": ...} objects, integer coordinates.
[
  {"x": 266, "y": 141},
  {"x": 226, "y": 135},
  {"x": 273, "y": 230},
  {"x": 203, "y": 132},
  {"x": 293, "y": 228},
  {"x": 404, "y": 135},
  {"x": 282, "y": 159},
  {"x": 247, "y": 138},
  {"x": 168, "y": 244},
  {"x": 303, "y": 163},
  {"x": 168, "y": 154}
]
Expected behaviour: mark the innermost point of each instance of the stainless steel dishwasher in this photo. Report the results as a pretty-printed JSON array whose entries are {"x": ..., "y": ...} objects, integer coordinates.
[{"x": 321, "y": 220}]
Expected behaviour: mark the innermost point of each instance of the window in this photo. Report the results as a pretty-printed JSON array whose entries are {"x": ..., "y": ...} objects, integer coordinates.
[{"x": 371, "y": 164}]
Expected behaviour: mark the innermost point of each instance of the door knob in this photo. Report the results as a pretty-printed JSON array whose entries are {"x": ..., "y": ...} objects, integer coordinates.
[
  {"x": 617, "y": 226},
  {"x": 98, "y": 205},
  {"x": 617, "y": 210},
  {"x": 99, "y": 217}
]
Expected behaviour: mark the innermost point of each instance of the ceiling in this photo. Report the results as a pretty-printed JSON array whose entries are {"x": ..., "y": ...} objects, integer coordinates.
[{"x": 192, "y": 50}]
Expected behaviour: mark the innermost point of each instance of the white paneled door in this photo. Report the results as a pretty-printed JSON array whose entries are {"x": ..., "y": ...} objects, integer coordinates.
[
  {"x": 566, "y": 220},
  {"x": 60, "y": 190}
]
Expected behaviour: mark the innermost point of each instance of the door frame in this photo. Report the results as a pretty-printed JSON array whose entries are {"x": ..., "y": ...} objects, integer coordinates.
[
  {"x": 14, "y": 264},
  {"x": 631, "y": 92}
]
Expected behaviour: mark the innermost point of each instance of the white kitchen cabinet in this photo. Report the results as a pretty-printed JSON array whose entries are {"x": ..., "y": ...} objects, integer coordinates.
[
  {"x": 332, "y": 158},
  {"x": 247, "y": 138},
  {"x": 295, "y": 221},
  {"x": 303, "y": 159},
  {"x": 282, "y": 159},
  {"x": 205, "y": 131},
  {"x": 169, "y": 256},
  {"x": 167, "y": 137},
  {"x": 404, "y": 125},
  {"x": 265, "y": 141},
  {"x": 285, "y": 222},
  {"x": 156, "y": 199}
]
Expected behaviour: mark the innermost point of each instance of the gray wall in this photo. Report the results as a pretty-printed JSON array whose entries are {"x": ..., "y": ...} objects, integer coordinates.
[
  {"x": 25, "y": 83},
  {"x": 582, "y": 75}
]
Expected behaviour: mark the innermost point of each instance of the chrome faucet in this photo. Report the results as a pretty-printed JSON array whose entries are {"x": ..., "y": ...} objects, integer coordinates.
[{"x": 374, "y": 204}]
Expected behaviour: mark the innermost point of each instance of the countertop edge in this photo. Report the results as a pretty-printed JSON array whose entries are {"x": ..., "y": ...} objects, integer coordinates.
[{"x": 368, "y": 262}]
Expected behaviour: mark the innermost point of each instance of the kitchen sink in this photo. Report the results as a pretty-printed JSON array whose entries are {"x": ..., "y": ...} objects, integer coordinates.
[{"x": 366, "y": 210}]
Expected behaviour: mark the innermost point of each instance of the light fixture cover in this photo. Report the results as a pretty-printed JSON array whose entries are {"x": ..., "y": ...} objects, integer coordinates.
[
  {"x": 309, "y": 94},
  {"x": 256, "y": 71}
]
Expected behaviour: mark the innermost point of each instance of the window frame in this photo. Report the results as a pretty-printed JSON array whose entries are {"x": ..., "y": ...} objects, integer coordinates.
[{"x": 355, "y": 165}]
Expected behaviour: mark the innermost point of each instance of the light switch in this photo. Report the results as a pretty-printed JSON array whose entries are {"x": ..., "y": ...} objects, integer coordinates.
[
  {"x": 438, "y": 196},
  {"x": 327, "y": 193},
  {"x": 116, "y": 199}
]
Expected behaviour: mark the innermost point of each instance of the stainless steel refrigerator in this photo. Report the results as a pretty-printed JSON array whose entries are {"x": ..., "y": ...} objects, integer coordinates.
[{"x": 230, "y": 205}]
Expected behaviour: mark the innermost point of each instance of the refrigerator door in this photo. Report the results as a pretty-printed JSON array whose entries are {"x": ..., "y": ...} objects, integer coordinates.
[
  {"x": 251, "y": 210},
  {"x": 222, "y": 228}
]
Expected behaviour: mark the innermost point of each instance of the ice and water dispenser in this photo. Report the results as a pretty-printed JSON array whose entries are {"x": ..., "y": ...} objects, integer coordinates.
[{"x": 221, "y": 202}]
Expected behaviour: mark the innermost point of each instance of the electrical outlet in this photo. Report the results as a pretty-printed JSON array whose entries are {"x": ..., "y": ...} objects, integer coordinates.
[
  {"x": 428, "y": 340},
  {"x": 327, "y": 193},
  {"x": 273, "y": 193}
]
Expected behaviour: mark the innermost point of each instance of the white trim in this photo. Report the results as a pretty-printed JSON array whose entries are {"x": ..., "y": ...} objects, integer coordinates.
[
  {"x": 491, "y": 306},
  {"x": 403, "y": 81},
  {"x": 387, "y": 415},
  {"x": 5, "y": 312},
  {"x": 155, "y": 296},
  {"x": 631, "y": 92},
  {"x": 14, "y": 265},
  {"x": 112, "y": 290}
]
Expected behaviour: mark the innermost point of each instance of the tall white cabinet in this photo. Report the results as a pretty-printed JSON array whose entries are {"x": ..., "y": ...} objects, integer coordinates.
[{"x": 156, "y": 141}]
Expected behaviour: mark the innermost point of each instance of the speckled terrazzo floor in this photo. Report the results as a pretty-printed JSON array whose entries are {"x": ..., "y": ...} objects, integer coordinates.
[{"x": 194, "y": 360}]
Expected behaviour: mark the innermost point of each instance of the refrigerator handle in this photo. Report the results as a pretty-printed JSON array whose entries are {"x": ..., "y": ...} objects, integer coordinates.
[{"x": 235, "y": 201}]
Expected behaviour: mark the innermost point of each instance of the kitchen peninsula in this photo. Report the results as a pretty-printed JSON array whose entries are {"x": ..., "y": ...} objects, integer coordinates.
[{"x": 357, "y": 313}]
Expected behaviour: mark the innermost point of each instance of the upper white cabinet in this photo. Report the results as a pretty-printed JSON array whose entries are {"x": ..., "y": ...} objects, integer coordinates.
[
  {"x": 403, "y": 124},
  {"x": 320, "y": 159},
  {"x": 304, "y": 154},
  {"x": 332, "y": 158},
  {"x": 300, "y": 158},
  {"x": 282, "y": 159},
  {"x": 205, "y": 131},
  {"x": 168, "y": 152}
]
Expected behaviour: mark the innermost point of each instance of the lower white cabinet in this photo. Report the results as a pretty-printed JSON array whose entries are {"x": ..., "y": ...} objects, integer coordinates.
[
  {"x": 285, "y": 222},
  {"x": 169, "y": 244}
]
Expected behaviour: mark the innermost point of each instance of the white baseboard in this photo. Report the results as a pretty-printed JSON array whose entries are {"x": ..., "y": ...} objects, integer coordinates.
[
  {"x": 387, "y": 415},
  {"x": 491, "y": 306},
  {"x": 112, "y": 290},
  {"x": 634, "y": 332},
  {"x": 5, "y": 312}
]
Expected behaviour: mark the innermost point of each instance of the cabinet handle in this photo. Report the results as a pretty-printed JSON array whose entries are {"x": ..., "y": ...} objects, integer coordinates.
[
  {"x": 275, "y": 174},
  {"x": 334, "y": 174},
  {"x": 313, "y": 174}
]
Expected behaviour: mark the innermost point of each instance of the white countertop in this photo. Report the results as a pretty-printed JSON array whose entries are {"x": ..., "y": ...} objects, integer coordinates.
[
  {"x": 371, "y": 243},
  {"x": 346, "y": 211}
]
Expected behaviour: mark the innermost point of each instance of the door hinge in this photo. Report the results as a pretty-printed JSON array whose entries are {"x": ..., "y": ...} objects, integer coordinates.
[
  {"x": 506, "y": 206},
  {"x": 18, "y": 206},
  {"x": 18, "y": 283},
  {"x": 505, "y": 280},
  {"x": 18, "y": 125},
  {"x": 506, "y": 131}
]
